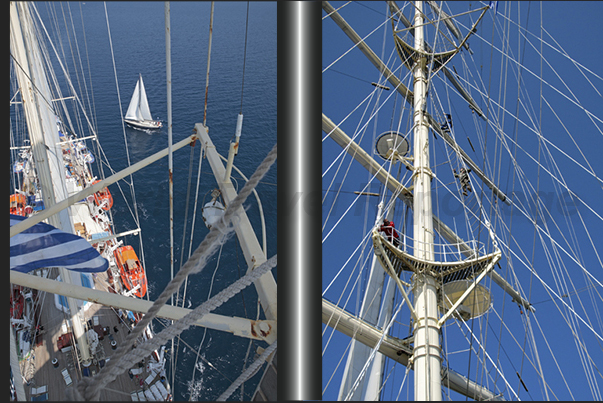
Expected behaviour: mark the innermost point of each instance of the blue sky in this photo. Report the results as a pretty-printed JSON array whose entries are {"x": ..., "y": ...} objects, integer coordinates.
[{"x": 568, "y": 118}]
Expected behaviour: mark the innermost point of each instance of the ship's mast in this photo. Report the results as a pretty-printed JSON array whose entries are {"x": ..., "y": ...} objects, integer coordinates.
[
  {"x": 43, "y": 133},
  {"x": 426, "y": 354}
]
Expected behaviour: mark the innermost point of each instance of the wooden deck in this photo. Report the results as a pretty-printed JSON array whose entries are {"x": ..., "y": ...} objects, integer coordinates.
[{"x": 39, "y": 371}]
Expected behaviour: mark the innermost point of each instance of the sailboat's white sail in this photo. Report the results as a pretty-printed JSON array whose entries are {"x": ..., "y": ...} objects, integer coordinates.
[
  {"x": 132, "y": 112},
  {"x": 139, "y": 113},
  {"x": 143, "y": 103}
]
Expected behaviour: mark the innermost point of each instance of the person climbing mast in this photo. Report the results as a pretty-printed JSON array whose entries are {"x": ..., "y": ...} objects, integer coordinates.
[
  {"x": 463, "y": 176},
  {"x": 447, "y": 125}
]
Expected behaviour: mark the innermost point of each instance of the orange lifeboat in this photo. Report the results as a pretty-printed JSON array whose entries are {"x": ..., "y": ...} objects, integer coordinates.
[
  {"x": 101, "y": 196},
  {"x": 17, "y": 204},
  {"x": 131, "y": 271}
]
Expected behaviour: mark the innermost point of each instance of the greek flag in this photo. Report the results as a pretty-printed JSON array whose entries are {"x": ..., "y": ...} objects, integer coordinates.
[{"x": 46, "y": 246}]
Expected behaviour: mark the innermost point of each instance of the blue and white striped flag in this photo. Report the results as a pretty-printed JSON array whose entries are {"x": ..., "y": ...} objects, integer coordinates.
[{"x": 46, "y": 246}]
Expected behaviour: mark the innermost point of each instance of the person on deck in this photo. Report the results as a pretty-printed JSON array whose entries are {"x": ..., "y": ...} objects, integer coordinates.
[{"x": 390, "y": 232}]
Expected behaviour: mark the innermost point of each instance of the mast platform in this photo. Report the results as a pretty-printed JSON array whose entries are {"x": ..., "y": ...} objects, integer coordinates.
[
  {"x": 457, "y": 280},
  {"x": 448, "y": 267}
]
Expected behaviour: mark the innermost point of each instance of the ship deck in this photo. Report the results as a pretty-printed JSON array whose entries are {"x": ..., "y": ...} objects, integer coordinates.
[
  {"x": 40, "y": 372},
  {"x": 266, "y": 389}
]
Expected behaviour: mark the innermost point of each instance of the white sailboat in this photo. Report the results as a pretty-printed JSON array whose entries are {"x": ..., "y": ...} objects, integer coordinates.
[{"x": 139, "y": 114}]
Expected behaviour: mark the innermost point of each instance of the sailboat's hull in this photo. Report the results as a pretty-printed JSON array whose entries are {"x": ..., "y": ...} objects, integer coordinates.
[{"x": 144, "y": 124}]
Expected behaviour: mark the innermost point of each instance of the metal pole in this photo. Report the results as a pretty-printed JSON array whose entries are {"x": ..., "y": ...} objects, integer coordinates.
[
  {"x": 211, "y": 29},
  {"x": 168, "y": 73},
  {"x": 426, "y": 354}
]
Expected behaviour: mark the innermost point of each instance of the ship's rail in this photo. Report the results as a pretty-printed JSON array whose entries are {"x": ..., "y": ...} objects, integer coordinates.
[
  {"x": 397, "y": 254},
  {"x": 445, "y": 252}
]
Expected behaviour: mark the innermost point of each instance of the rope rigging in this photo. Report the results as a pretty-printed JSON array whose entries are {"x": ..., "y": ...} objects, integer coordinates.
[
  {"x": 561, "y": 260},
  {"x": 123, "y": 125},
  {"x": 216, "y": 237}
]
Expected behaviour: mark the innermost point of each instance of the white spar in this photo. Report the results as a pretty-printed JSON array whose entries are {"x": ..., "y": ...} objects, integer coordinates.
[{"x": 258, "y": 330}]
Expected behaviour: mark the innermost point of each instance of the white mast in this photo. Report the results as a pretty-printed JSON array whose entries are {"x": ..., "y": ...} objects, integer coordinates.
[
  {"x": 168, "y": 75},
  {"x": 44, "y": 137},
  {"x": 426, "y": 354}
]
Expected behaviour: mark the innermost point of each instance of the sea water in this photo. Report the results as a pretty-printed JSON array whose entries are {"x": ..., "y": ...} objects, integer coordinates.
[{"x": 138, "y": 36}]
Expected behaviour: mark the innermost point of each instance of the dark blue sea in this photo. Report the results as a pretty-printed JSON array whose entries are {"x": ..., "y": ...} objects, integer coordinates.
[{"x": 138, "y": 35}]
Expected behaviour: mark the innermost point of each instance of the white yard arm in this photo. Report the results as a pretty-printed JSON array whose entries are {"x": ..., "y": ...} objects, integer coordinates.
[
  {"x": 242, "y": 327},
  {"x": 63, "y": 204},
  {"x": 254, "y": 255},
  {"x": 397, "y": 349}
]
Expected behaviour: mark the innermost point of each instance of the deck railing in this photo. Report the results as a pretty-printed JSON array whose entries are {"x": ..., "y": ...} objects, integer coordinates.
[{"x": 448, "y": 252}]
